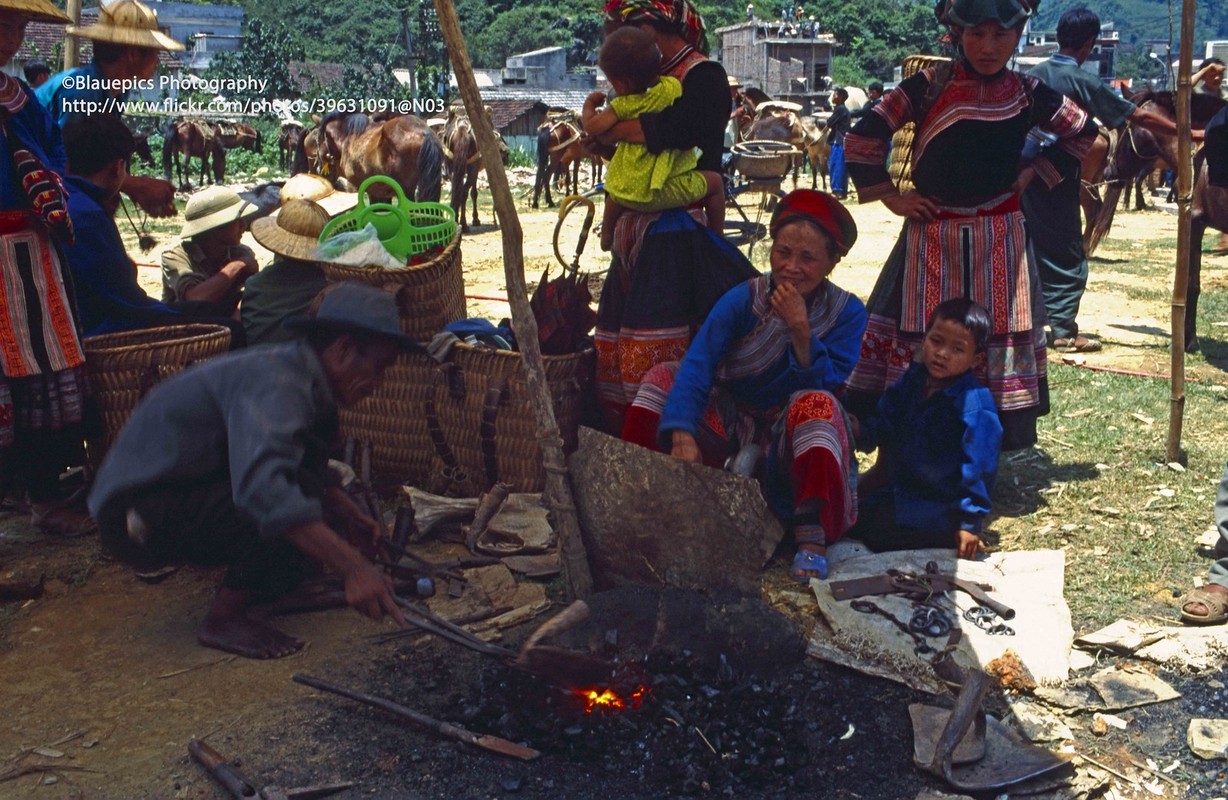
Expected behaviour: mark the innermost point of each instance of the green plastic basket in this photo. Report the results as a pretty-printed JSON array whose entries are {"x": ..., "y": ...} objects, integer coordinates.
[{"x": 404, "y": 228}]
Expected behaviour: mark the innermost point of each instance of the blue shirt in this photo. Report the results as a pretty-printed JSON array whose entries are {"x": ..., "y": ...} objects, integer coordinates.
[
  {"x": 108, "y": 296},
  {"x": 55, "y": 95},
  {"x": 944, "y": 450},
  {"x": 838, "y": 320}
]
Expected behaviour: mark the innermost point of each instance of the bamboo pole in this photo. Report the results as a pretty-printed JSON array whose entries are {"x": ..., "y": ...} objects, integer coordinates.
[
  {"x": 1181, "y": 276},
  {"x": 573, "y": 558},
  {"x": 72, "y": 45}
]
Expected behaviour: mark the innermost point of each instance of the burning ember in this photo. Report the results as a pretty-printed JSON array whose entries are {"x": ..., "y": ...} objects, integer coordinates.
[{"x": 609, "y": 700}]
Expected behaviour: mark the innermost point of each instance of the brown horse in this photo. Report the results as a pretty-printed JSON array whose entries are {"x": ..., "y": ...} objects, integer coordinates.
[
  {"x": 287, "y": 142},
  {"x": 192, "y": 139},
  {"x": 464, "y": 162},
  {"x": 307, "y": 151},
  {"x": 352, "y": 149},
  {"x": 142, "y": 148},
  {"x": 239, "y": 134},
  {"x": 780, "y": 126},
  {"x": 559, "y": 152},
  {"x": 1136, "y": 155}
]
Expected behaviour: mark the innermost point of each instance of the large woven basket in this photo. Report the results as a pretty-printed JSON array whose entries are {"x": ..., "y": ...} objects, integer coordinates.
[
  {"x": 124, "y": 366},
  {"x": 764, "y": 159},
  {"x": 901, "y": 143},
  {"x": 430, "y": 295},
  {"x": 459, "y": 427}
]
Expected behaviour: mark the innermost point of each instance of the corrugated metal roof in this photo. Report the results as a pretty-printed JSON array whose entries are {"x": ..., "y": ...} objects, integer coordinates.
[{"x": 553, "y": 98}]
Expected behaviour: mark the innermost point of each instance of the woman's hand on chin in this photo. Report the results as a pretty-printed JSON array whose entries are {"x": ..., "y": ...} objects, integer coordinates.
[
  {"x": 788, "y": 302},
  {"x": 912, "y": 204}
]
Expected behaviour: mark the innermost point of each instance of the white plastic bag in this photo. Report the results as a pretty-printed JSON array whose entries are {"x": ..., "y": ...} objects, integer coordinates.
[{"x": 358, "y": 249}]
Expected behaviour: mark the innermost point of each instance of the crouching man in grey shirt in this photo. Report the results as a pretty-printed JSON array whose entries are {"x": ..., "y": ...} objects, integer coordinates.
[{"x": 227, "y": 464}]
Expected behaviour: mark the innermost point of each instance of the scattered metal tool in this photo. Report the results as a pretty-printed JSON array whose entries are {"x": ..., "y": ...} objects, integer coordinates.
[
  {"x": 917, "y": 629},
  {"x": 987, "y": 620},
  {"x": 951, "y": 754},
  {"x": 239, "y": 786},
  {"x": 492, "y": 743}
]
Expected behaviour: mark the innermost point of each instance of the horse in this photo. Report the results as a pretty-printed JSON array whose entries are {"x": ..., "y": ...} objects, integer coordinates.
[
  {"x": 558, "y": 149},
  {"x": 142, "y": 148},
  {"x": 352, "y": 149},
  {"x": 464, "y": 162},
  {"x": 239, "y": 134},
  {"x": 1136, "y": 155},
  {"x": 816, "y": 150},
  {"x": 287, "y": 142},
  {"x": 307, "y": 151},
  {"x": 192, "y": 138}
]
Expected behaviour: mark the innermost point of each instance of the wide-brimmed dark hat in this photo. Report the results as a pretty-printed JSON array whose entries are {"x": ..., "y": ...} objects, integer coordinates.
[
  {"x": 352, "y": 307},
  {"x": 823, "y": 210},
  {"x": 969, "y": 13}
]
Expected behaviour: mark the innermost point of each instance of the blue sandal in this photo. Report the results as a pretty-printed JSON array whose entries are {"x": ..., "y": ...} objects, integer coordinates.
[{"x": 808, "y": 561}]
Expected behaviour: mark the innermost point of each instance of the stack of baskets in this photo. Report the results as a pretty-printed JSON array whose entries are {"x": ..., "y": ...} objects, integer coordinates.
[
  {"x": 124, "y": 366},
  {"x": 901, "y": 144},
  {"x": 439, "y": 426}
]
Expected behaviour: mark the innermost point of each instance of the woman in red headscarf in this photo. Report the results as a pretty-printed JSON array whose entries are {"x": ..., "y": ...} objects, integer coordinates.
[
  {"x": 963, "y": 231},
  {"x": 762, "y": 373},
  {"x": 668, "y": 268}
]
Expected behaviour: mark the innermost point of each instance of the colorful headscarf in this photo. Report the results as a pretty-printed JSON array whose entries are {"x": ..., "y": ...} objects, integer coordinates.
[
  {"x": 675, "y": 12},
  {"x": 970, "y": 13},
  {"x": 823, "y": 210}
]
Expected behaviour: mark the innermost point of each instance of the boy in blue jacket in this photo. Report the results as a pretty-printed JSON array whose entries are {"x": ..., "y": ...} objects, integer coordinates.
[{"x": 938, "y": 436}]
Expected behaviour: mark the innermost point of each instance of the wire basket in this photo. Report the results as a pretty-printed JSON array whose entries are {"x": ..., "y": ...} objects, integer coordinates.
[{"x": 764, "y": 159}]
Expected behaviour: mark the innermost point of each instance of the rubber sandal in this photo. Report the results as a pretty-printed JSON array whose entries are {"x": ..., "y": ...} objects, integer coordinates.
[
  {"x": 1215, "y": 602},
  {"x": 808, "y": 561},
  {"x": 1077, "y": 344}
]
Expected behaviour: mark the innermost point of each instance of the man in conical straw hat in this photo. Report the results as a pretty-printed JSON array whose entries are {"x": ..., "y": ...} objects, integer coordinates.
[{"x": 127, "y": 41}]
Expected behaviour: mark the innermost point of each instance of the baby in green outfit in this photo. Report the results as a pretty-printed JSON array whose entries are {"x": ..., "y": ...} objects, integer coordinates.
[{"x": 638, "y": 179}]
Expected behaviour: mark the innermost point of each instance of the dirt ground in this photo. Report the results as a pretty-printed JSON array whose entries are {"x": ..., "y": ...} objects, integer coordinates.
[{"x": 103, "y": 674}]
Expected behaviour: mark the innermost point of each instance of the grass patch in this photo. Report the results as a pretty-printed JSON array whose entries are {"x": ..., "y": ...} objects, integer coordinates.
[{"x": 1098, "y": 488}]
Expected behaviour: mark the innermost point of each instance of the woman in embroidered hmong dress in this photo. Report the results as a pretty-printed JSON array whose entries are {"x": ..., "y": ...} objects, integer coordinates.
[
  {"x": 42, "y": 374},
  {"x": 668, "y": 269},
  {"x": 775, "y": 348},
  {"x": 964, "y": 233}
]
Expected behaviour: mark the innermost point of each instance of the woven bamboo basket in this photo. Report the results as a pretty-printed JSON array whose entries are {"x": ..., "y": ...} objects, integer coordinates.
[
  {"x": 124, "y": 366},
  {"x": 458, "y": 427},
  {"x": 430, "y": 295},
  {"x": 764, "y": 159},
  {"x": 901, "y": 143}
]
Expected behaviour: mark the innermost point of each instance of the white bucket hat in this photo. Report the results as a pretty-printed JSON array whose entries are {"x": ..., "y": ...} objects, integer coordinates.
[
  {"x": 212, "y": 208},
  {"x": 127, "y": 22}
]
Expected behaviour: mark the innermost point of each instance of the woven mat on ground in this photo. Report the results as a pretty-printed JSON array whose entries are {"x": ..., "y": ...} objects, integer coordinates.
[{"x": 1030, "y": 582}]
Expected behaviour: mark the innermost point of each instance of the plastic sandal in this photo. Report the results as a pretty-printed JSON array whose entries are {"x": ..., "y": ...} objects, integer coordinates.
[{"x": 808, "y": 561}]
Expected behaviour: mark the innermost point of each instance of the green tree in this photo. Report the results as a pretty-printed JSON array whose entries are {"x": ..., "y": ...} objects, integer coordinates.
[
  {"x": 266, "y": 53},
  {"x": 518, "y": 31}
]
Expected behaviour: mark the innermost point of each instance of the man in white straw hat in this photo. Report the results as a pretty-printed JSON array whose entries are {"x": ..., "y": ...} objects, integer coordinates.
[
  {"x": 227, "y": 464},
  {"x": 42, "y": 365},
  {"x": 127, "y": 41},
  {"x": 284, "y": 289},
  {"x": 210, "y": 265}
]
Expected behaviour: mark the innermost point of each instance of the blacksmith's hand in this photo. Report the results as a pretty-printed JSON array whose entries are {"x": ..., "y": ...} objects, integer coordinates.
[
  {"x": 684, "y": 447},
  {"x": 362, "y": 531},
  {"x": 154, "y": 196},
  {"x": 369, "y": 592},
  {"x": 912, "y": 204}
]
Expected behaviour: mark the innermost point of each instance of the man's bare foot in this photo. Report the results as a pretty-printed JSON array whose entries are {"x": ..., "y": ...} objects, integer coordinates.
[{"x": 228, "y": 628}]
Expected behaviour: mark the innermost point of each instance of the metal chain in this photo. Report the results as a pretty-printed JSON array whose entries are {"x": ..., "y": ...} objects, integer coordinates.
[
  {"x": 987, "y": 620},
  {"x": 925, "y": 618}
]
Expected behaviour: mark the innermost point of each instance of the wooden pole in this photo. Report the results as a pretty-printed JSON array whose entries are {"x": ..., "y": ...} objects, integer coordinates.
[
  {"x": 72, "y": 44},
  {"x": 574, "y": 559},
  {"x": 1181, "y": 279}
]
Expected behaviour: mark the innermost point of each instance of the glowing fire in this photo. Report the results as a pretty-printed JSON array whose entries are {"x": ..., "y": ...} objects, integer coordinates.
[{"x": 610, "y": 700}]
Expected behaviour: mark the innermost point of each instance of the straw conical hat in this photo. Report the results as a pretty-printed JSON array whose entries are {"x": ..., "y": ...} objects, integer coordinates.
[
  {"x": 294, "y": 232},
  {"x": 36, "y": 10},
  {"x": 306, "y": 186},
  {"x": 127, "y": 22}
]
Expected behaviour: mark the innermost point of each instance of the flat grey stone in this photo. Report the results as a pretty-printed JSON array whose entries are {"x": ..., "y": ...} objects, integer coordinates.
[
  {"x": 651, "y": 519},
  {"x": 1208, "y": 738},
  {"x": 1038, "y": 724}
]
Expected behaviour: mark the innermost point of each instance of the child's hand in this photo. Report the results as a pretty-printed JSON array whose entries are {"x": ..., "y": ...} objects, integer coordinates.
[
  {"x": 968, "y": 544},
  {"x": 594, "y": 100}
]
